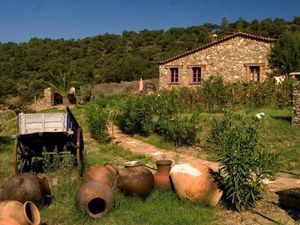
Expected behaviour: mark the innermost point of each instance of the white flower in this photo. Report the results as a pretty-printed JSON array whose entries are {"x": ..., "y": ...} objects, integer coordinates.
[{"x": 260, "y": 115}]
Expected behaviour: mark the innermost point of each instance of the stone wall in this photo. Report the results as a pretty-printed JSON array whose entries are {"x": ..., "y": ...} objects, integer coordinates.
[
  {"x": 121, "y": 88},
  {"x": 226, "y": 58},
  {"x": 296, "y": 104},
  {"x": 43, "y": 103}
]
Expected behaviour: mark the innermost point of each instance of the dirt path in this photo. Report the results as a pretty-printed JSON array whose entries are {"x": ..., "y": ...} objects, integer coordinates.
[{"x": 268, "y": 206}]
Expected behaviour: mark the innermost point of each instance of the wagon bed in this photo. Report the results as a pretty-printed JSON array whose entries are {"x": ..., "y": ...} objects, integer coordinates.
[{"x": 41, "y": 134}]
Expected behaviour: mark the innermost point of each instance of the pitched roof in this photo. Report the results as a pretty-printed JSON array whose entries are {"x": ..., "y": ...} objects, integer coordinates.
[{"x": 238, "y": 34}]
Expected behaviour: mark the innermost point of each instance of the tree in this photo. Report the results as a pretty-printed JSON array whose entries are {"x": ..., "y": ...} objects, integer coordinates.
[
  {"x": 61, "y": 84},
  {"x": 285, "y": 55}
]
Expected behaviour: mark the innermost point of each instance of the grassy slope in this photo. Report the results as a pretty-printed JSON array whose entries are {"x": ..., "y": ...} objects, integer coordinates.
[{"x": 159, "y": 208}]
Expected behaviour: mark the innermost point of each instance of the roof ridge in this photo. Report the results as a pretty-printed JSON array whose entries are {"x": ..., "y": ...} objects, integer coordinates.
[{"x": 247, "y": 35}]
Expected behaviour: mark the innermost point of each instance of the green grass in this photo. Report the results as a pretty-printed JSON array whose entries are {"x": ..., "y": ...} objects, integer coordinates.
[{"x": 156, "y": 140}]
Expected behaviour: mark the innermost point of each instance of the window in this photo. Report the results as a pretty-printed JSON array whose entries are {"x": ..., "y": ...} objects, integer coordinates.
[
  {"x": 196, "y": 76},
  {"x": 196, "y": 73},
  {"x": 174, "y": 76},
  {"x": 254, "y": 73}
]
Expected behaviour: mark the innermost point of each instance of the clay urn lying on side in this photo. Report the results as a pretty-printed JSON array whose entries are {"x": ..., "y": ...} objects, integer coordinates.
[
  {"x": 27, "y": 187},
  {"x": 162, "y": 176},
  {"x": 193, "y": 181},
  {"x": 22, "y": 214},
  {"x": 96, "y": 193},
  {"x": 8, "y": 221},
  {"x": 135, "y": 179},
  {"x": 95, "y": 198},
  {"x": 106, "y": 174}
]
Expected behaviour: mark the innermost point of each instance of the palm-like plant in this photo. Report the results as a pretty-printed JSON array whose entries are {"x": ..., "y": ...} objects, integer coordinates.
[{"x": 61, "y": 83}]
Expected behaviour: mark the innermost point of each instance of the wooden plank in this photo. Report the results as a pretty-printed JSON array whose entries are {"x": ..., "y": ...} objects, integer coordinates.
[{"x": 41, "y": 122}]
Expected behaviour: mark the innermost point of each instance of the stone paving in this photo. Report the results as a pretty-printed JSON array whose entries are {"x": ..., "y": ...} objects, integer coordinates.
[{"x": 137, "y": 146}]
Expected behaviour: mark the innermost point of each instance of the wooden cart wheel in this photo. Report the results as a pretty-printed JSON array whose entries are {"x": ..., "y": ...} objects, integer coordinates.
[
  {"x": 21, "y": 158},
  {"x": 79, "y": 147}
]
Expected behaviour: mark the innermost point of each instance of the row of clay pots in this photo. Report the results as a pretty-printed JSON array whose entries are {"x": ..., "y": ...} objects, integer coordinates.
[
  {"x": 96, "y": 194},
  {"x": 27, "y": 187},
  {"x": 15, "y": 213},
  {"x": 191, "y": 181}
]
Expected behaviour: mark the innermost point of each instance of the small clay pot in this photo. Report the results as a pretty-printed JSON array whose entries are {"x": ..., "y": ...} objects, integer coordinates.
[
  {"x": 27, "y": 187},
  {"x": 162, "y": 176},
  {"x": 95, "y": 198},
  {"x": 106, "y": 174},
  {"x": 23, "y": 214},
  {"x": 135, "y": 180}
]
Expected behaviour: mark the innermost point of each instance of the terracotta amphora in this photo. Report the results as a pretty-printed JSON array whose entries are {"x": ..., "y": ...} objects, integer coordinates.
[
  {"x": 194, "y": 182},
  {"x": 162, "y": 176},
  {"x": 135, "y": 179},
  {"x": 105, "y": 174},
  {"x": 23, "y": 214},
  {"x": 27, "y": 187},
  {"x": 95, "y": 198},
  {"x": 8, "y": 221}
]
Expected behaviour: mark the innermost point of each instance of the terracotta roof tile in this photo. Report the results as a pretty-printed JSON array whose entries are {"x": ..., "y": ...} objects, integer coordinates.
[{"x": 238, "y": 34}]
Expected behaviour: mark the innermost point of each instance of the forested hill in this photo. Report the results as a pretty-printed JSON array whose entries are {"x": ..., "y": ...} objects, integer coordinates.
[{"x": 25, "y": 66}]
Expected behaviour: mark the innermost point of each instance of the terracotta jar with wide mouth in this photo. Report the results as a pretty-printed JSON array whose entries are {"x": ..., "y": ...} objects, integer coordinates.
[
  {"x": 95, "y": 198},
  {"x": 23, "y": 214},
  {"x": 162, "y": 176},
  {"x": 135, "y": 179}
]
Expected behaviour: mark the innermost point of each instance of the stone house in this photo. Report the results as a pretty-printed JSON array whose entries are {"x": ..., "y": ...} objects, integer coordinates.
[{"x": 238, "y": 57}]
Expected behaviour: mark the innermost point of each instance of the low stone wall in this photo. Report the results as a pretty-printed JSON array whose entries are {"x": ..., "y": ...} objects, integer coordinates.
[
  {"x": 296, "y": 104},
  {"x": 121, "y": 88}
]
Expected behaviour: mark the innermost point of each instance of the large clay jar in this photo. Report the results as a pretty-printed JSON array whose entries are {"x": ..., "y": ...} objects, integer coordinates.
[
  {"x": 106, "y": 174},
  {"x": 8, "y": 221},
  {"x": 193, "y": 181},
  {"x": 23, "y": 214},
  {"x": 26, "y": 187},
  {"x": 95, "y": 198},
  {"x": 162, "y": 176},
  {"x": 135, "y": 179}
]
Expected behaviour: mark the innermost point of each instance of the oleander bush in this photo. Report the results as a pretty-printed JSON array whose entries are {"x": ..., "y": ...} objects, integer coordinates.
[
  {"x": 135, "y": 117},
  {"x": 180, "y": 129},
  {"x": 245, "y": 163},
  {"x": 97, "y": 118}
]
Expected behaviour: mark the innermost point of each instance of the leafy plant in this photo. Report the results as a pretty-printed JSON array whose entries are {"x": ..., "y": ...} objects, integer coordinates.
[
  {"x": 62, "y": 83},
  {"x": 216, "y": 93},
  {"x": 97, "y": 118},
  {"x": 244, "y": 161},
  {"x": 181, "y": 129},
  {"x": 135, "y": 117}
]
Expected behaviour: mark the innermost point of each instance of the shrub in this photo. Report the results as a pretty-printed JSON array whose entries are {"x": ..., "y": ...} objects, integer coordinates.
[
  {"x": 181, "y": 129},
  {"x": 244, "y": 161},
  {"x": 97, "y": 119},
  {"x": 215, "y": 93},
  {"x": 135, "y": 116}
]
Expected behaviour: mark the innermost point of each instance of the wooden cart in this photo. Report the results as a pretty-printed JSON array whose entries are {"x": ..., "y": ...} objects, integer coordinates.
[{"x": 41, "y": 134}]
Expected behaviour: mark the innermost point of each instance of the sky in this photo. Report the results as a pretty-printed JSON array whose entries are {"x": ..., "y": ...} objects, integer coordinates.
[{"x": 21, "y": 20}]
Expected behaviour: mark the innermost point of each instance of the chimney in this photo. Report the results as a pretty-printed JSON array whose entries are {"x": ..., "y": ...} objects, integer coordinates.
[{"x": 214, "y": 38}]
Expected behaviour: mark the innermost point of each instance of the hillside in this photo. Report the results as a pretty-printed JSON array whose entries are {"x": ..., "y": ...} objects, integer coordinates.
[{"x": 24, "y": 67}]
